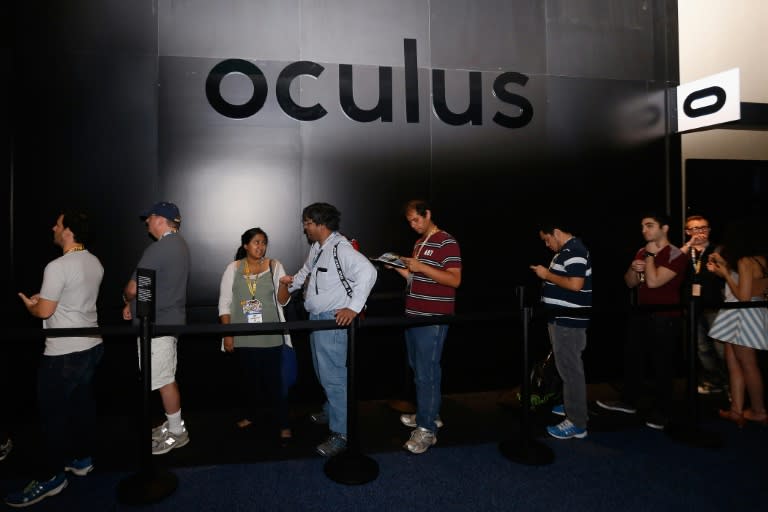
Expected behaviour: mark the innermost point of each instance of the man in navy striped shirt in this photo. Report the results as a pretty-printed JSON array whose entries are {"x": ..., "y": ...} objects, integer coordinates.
[{"x": 567, "y": 283}]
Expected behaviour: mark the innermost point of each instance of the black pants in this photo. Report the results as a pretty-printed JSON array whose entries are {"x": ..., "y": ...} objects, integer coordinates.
[
  {"x": 67, "y": 408},
  {"x": 653, "y": 338}
]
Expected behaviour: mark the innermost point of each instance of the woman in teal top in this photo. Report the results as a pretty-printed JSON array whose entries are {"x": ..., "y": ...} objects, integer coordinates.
[{"x": 251, "y": 292}]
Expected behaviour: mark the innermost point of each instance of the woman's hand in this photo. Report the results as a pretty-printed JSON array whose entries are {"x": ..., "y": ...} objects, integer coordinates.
[{"x": 717, "y": 265}]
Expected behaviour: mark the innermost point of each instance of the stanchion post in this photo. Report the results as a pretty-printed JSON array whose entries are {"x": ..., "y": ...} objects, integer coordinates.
[
  {"x": 526, "y": 450},
  {"x": 691, "y": 391},
  {"x": 351, "y": 466},
  {"x": 146, "y": 464},
  {"x": 149, "y": 485},
  {"x": 688, "y": 431}
]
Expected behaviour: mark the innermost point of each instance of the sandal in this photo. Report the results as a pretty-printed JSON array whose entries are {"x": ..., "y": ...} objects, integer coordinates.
[
  {"x": 751, "y": 415},
  {"x": 286, "y": 436},
  {"x": 244, "y": 423},
  {"x": 731, "y": 415}
]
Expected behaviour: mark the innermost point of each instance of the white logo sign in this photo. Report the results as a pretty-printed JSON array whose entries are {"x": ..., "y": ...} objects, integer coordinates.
[{"x": 709, "y": 101}]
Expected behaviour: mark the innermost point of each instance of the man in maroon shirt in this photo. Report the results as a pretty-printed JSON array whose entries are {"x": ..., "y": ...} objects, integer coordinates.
[
  {"x": 433, "y": 272},
  {"x": 657, "y": 272}
]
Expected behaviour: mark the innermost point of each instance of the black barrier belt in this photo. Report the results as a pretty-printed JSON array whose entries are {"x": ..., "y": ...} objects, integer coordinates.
[{"x": 14, "y": 333}]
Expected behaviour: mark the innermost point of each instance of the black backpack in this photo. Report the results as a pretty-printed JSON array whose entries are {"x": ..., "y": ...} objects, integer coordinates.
[{"x": 546, "y": 384}]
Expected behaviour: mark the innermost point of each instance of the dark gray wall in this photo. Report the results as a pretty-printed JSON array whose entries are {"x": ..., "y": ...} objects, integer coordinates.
[{"x": 109, "y": 112}]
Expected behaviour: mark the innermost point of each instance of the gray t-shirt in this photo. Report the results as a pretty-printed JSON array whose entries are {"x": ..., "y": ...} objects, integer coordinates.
[
  {"x": 73, "y": 281},
  {"x": 169, "y": 258}
]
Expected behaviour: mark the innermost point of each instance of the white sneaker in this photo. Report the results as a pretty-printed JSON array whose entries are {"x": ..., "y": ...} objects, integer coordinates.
[
  {"x": 168, "y": 441},
  {"x": 409, "y": 420},
  {"x": 160, "y": 431},
  {"x": 421, "y": 440}
]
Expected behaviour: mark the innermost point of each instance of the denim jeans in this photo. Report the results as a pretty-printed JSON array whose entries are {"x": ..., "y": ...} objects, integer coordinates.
[
  {"x": 67, "y": 407},
  {"x": 329, "y": 355},
  {"x": 425, "y": 347},
  {"x": 568, "y": 343}
]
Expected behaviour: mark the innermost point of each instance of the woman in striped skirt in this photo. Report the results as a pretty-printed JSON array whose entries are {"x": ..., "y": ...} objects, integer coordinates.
[{"x": 744, "y": 266}]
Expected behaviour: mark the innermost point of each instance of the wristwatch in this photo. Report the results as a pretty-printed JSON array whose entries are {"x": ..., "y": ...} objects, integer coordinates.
[{"x": 651, "y": 254}]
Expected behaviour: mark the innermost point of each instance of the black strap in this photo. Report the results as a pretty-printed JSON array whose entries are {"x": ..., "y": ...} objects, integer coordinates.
[{"x": 344, "y": 282}]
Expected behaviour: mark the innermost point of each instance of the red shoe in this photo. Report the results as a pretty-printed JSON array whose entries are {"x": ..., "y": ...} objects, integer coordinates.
[{"x": 731, "y": 415}]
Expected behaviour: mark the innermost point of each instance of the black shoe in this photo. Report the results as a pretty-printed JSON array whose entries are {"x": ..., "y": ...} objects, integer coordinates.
[
  {"x": 656, "y": 420},
  {"x": 617, "y": 405},
  {"x": 319, "y": 418}
]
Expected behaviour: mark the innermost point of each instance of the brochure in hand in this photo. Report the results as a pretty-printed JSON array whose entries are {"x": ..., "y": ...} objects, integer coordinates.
[{"x": 390, "y": 258}]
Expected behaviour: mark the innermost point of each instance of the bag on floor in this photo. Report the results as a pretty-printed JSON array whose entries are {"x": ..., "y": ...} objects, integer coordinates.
[{"x": 546, "y": 384}]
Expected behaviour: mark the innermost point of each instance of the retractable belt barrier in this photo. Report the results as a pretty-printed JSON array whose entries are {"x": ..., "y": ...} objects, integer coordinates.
[{"x": 351, "y": 466}]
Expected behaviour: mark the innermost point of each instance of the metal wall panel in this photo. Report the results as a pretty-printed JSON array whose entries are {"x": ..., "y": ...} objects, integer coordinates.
[
  {"x": 601, "y": 39},
  {"x": 489, "y": 35},
  {"x": 120, "y": 119},
  {"x": 245, "y": 29}
]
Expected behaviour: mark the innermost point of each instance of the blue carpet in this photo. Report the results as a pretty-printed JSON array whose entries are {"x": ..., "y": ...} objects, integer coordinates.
[{"x": 634, "y": 469}]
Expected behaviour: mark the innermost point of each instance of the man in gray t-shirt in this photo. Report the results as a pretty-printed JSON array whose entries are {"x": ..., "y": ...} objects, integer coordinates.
[
  {"x": 168, "y": 256},
  {"x": 67, "y": 299}
]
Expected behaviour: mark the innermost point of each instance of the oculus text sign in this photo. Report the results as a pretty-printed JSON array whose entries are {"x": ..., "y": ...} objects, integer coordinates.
[{"x": 383, "y": 110}]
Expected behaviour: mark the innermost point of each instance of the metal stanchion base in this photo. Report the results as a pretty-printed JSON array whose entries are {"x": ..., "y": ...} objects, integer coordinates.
[
  {"x": 144, "y": 488},
  {"x": 351, "y": 468},
  {"x": 529, "y": 452},
  {"x": 693, "y": 435}
]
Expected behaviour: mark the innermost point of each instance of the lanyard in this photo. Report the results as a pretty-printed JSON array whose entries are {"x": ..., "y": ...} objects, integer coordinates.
[
  {"x": 696, "y": 259},
  {"x": 249, "y": 282},
  {"x": 422, "y": 244}
]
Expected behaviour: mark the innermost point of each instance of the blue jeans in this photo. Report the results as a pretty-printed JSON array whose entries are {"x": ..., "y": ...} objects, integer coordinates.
[
  {"x": 329, "y": 356},
  {"x": 425, "y": 347},
  {"x": 67, "y": 407}
]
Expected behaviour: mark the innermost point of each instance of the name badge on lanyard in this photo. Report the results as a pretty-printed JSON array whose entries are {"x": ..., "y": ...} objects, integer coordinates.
[{"x": 253, "y": 310}]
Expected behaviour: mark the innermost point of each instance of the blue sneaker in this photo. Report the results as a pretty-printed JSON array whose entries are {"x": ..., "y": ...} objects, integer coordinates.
[
  {"x": 566, "y": 430},
  {"x": 36, "y": 491},
  {"x": 559, "y": 410},
  {"x": 80, "y": 467}
]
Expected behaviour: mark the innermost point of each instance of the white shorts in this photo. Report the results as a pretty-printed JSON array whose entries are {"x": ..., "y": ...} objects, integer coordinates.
[{"x": 163, "y": 362}]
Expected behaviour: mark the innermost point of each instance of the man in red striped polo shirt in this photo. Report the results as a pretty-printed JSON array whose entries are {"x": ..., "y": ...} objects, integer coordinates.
[{"x": 433, "y": 273}]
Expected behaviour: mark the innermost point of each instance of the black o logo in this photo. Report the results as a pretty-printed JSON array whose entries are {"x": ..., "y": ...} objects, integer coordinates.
[
  {"x": 213, "y": 91},
  {"x": 715, "y": 91}
]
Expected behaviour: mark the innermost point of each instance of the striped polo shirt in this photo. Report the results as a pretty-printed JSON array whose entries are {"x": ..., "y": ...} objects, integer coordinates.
[
  {"x": 425, "y": 296},
  {"x": 573, "y": 260}
]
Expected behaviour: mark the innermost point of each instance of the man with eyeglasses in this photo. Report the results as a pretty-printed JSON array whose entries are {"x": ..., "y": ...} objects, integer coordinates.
[
  {"x": 339, "y": 279},
  {"x": 708, "y": 287}
]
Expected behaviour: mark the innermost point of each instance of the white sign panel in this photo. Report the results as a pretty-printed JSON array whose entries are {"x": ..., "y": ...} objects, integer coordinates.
[{"x": 709, "y": 101}]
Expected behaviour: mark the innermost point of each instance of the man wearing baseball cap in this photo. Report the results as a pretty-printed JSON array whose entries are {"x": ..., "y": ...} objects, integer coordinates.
[{"x": 168, "y": 256}]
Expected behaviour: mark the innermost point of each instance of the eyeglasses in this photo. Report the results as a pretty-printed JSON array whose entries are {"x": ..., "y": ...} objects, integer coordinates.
[
  {"x": 306, "y": 223},
  {"x": 698, "y": 229}
]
